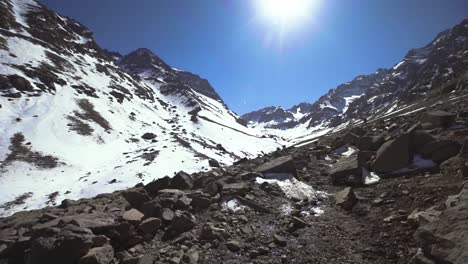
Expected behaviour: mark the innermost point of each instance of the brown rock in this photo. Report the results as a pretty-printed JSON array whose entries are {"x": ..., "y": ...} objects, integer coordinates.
[
  {"x": 393, "y": 155},
  {"x": 133, "y": 216}
]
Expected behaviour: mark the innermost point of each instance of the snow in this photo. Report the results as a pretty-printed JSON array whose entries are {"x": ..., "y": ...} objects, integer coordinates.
[
  {"x": 91, "y": 162},
  {"x": 370, "y": 177},
  {"x": 20, "y": 9},
  {"x": 349, "y": 100},
  {"x": 233, "y": 205},
  {"x": 398, "y": 65},
  {"x": 292, "y": 188}
]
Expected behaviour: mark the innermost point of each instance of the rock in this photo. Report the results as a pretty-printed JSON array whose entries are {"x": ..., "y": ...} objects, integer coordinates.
[
  {"x": 200, "y": 201},
  {"x": 148, "y": 136},
  {"x": 464, "y": 169},
  {"x": 279, "y": 240},
  {"x": 213, "y": 188},
  {"x": 440, "y": 150},
  {"x": 167, "y": 215},
  {"x": 464, "y": 148},
  {"x": 183, "y": 203},
  {"x": 418, "y": 218},
  {"x": 439, "y": 118},
  {"x": 213, "y": 163},
  {"x": 136, "y": 197},
  {"x": 67, "y": 246},
  {"x": 182, "y": 221},
  {"x": 393, "y": 155},
  {"x": 150, "y": 225},
  {"x": 347, "y": 171},
  {"x": 250, "y": 176},
  {"x": 181, "y": 181},
  {"x": 133, "y": 216},
  {"x": 450, "y": 167},
  {"x": 240, "y": 188},
  {"x": 151, "y": 209},
  {"x": 279, "y": 165},
  {"x": 298, "y": 223},
  {"x": 98, "y": 255},
  {"x": 191, "y": 256},
  {"x": 419, "y": 139},
  {"x": 371, "y": 143},
  {"x": 233, "y": 245},
  {"x": 157, "y": 185},
  {"x": 446, "y": 238},
  {"x": 346, "y": 199}
]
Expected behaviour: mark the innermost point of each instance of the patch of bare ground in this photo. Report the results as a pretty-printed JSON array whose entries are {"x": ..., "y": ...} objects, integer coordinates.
[
  {"x": 22, "y": 152},
  {"x": 79, "y": 119},
  {"x": 19, "y": 200}
]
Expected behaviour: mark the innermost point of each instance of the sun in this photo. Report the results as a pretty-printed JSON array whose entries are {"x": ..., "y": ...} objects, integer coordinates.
[{"x": 286, "y": 13}]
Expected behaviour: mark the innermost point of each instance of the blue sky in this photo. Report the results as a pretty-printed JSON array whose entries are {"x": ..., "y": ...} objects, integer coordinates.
[{"x": 244, "y": 57}]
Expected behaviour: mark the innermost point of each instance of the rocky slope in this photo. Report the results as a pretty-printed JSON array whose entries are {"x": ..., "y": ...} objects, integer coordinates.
[
  {"x": 391, "y": 191},
  {"x": 439, "y": 67},
  {"x": 76, "y": 120}
]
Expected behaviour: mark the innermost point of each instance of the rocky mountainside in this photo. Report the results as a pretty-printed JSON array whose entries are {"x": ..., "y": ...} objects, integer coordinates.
[
  {"x": 392, "y": 191},
  {"x": 439, "y": 67},
  {"x": 76, "y": 120}
]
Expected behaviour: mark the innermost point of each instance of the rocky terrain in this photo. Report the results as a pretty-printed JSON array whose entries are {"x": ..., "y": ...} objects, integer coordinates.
[
  {"x": 389, "y": 191},
  {"x": 374, "y": 172}
]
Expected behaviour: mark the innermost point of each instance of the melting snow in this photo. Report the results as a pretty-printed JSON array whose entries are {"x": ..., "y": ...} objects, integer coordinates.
[
  {"x": 293, "y": 188},
  {"x": 232, "y": 205}
]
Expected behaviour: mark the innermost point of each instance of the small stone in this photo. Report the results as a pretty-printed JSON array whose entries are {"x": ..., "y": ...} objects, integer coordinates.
[
  {"x": 233, "y": 245},
  {"x": 279, "y": 240}
]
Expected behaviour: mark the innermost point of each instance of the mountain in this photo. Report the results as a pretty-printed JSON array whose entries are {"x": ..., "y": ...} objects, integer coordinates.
[
  {"x": 77, "y": 120},
  {"x": 439, "y": 67}
]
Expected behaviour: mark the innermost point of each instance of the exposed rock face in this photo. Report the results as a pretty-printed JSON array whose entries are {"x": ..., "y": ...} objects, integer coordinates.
[
  {"x": 347, "y": 171},
  {"x": 445, "y": 239},
  {"x": 393, "y": 155}
]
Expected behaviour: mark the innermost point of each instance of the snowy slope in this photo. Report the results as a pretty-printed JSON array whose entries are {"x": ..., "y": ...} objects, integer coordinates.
[{"x": 71, "y": 121}]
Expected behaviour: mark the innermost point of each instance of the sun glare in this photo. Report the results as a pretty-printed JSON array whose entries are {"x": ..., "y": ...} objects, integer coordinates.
[{"x": 286, "y": 13}]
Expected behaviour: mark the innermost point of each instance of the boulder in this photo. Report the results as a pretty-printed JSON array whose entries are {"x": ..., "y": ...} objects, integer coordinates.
[
  {"x": 157, "y": 185},
  {"x": 419, "y": 139},
  {"x": 65, "y": 247},
  {"x": 347, "y": 171},
  {"x": 200, "y": 201},
  {"x": 182, "y": 222},
  {"x": 136, "y": 197},
  {"x": 439, "y": 118},
  {"x": 393, "y": 155},
  {"x": 148, "y": 136},
  {"x": 279, "y": 165},
  {"x": 98, "y": 255},
  {"x": 167, "y": 215},
  {"x": 181, "y": 181},
  {"x": 150, "y": 225},
  {"x": 440, "y": 150},
  {"x": 213, "y": 163},
  {"x": 133, "y": 216},
  {"x": 346, "y": 199},
  {"x": 371, "y": 143},
  {"x": 151, "y": 209},
  {"x": 240, "y": 188},
  {"x": 445, "y": 239}
]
